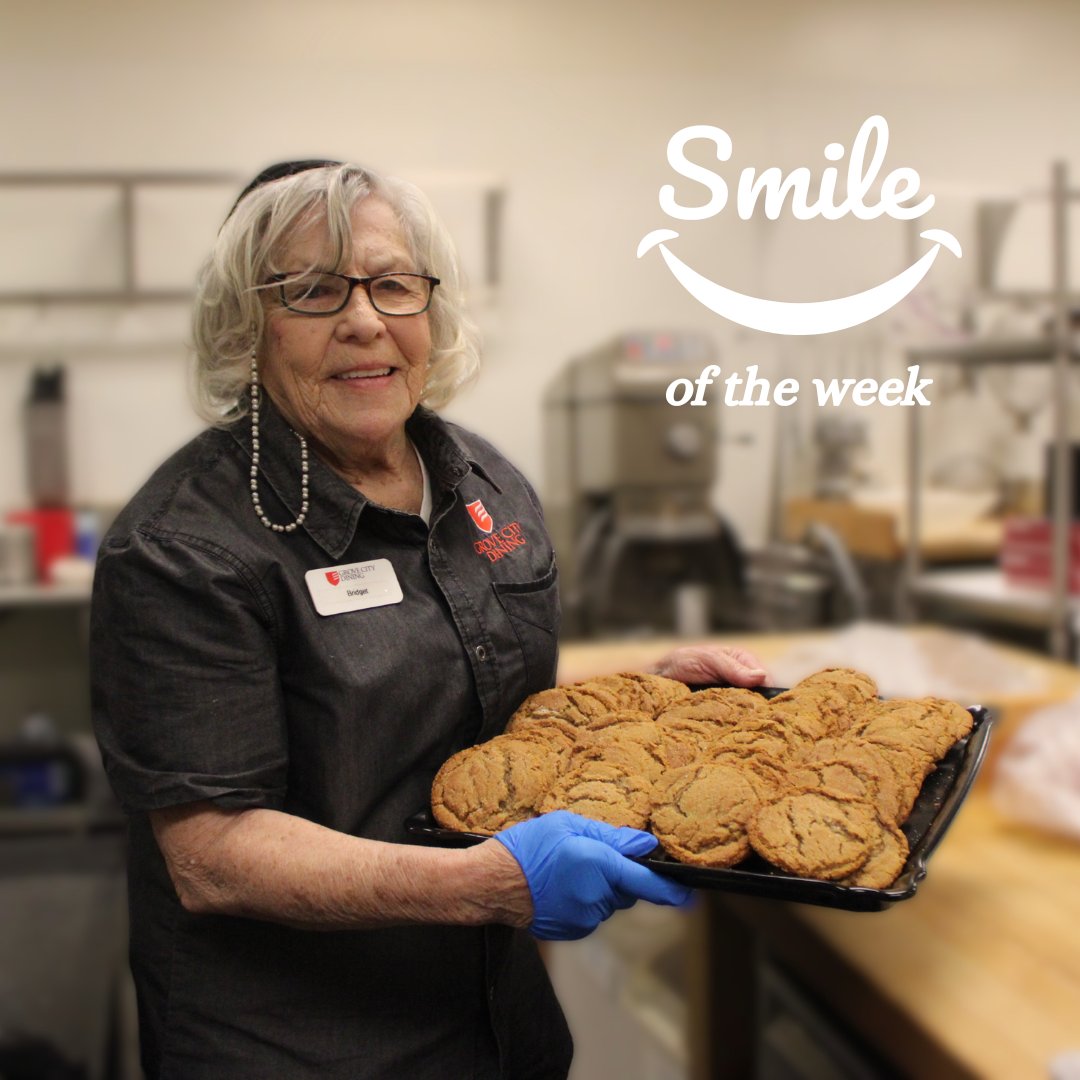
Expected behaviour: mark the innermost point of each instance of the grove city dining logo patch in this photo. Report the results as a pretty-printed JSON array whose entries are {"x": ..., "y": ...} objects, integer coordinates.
[
  {"x": 481, "y": 518},
  {"x": 770, "y": 189}
]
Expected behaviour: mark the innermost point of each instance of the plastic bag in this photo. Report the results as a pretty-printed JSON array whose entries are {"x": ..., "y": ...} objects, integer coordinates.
[{"x": 1037, "y": 780}]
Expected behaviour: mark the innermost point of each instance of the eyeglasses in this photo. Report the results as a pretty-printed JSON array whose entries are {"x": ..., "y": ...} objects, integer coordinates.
[{"x": 320, "y": 293}]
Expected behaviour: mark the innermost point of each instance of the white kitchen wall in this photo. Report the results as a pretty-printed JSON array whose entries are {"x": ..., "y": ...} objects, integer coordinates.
[{"x": 570, "y": 107}]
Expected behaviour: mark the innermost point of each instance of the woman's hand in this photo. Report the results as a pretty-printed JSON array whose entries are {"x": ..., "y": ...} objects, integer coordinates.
[
  {"x": 578, "y": 873},
  {"x": 711, "y": 664}
]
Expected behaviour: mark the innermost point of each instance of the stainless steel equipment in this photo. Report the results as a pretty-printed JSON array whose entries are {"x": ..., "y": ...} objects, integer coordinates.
[
  {"x": 628, "y": 485},
  {"x": 838, "y": 441}
]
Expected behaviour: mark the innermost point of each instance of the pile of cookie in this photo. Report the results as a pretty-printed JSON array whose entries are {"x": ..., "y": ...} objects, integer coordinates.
[{"x": 816, "y": 781}]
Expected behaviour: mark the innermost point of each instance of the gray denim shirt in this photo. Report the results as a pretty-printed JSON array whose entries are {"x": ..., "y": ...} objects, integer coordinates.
[{"x": 214, "y": 677}]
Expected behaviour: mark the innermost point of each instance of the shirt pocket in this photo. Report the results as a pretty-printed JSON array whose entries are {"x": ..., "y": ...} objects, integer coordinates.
[{"x": 532, "y": 610}]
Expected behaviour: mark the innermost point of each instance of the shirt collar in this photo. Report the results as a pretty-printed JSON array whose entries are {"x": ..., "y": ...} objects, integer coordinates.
[
  {"x": 445, "y": 452},
  {"x": 335, "y": 506}
]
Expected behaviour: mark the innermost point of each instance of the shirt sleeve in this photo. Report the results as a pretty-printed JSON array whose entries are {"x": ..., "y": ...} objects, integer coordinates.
[{"x": 185, "y": 693}]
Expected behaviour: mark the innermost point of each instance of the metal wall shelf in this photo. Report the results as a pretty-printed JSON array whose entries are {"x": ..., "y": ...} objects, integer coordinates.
[{"x": 127, "y": 187}]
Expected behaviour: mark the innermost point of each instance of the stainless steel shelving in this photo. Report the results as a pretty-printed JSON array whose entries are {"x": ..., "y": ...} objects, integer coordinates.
[
  {"x": 34, "y": 596},
  {"x": 985, "y": 593}
]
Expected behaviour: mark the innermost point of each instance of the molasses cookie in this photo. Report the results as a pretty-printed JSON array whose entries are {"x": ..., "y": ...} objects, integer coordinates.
[
  {"x": 700, "y": 814},
  {"x": 841, "y": 684},
  {"x": 684, "y": 741},
  {"x": 494, "y": 785},
  {"x": 626, "y": 743},
  {"x": 663, "y": 691},
  {"x": 855, "y": 774},
  {"x": 767, "y": 775},
  {"x": 814, "y": 834},
  {"x": 628, "y": 692},
  {"x": 618, "y": 719},
  {"x": 717, "y": 705},
  {"x": 557, "y": 734},
  {"x": 603, "y": 790},
  {"x": 930, "y": 725},
  {"x": 769, "y": 740},
  {"x": 894, "y": 786},
  {"x": 887, "y": 858},
  {"x": 576, "y": 704},
  {"x": 827, "y": 702}
]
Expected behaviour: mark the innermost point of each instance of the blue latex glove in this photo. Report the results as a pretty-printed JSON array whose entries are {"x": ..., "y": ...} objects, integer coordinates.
[{"x": 578, "y": 875}]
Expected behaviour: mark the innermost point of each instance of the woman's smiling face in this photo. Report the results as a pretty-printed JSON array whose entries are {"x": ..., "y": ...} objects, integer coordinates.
[{"x": 347, "y": 381}]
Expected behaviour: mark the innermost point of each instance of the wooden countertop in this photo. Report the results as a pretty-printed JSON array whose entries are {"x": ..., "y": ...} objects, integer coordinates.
[
  {"x": 978, "y": 975},
  {"x": 982, "y": 964}
]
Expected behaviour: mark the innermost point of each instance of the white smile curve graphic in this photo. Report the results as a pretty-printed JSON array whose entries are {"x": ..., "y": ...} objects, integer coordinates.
[{"x": 783, "y": 317}]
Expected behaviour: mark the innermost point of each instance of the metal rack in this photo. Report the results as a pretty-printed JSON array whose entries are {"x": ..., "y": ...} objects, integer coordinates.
[
  {"x": 984, "y": 592},
  {"x": 127, "y": 186},
  {"x": 35, "y": 595}
]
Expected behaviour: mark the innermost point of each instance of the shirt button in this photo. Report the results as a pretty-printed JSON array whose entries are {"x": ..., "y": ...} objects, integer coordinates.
[{"x": 481, "y": 653}]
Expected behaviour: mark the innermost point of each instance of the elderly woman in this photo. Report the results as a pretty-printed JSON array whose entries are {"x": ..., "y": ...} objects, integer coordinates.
[{"x": 294, "y": 624}]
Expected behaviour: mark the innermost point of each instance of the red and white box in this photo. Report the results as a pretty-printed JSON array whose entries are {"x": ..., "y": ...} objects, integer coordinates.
[
  {"x": 54, "y": 532},
  {"x": 1027, "y": 552}
]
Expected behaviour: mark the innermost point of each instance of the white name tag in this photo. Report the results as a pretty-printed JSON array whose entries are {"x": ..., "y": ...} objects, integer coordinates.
[{"x": 353, "y": 587}]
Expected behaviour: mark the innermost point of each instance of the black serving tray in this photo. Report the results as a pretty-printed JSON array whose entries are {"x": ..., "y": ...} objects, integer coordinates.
[{"x": 942, "y": 793}]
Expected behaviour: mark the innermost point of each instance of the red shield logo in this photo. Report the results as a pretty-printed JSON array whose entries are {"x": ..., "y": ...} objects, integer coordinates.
[
  {"x": 333, "y": 577},
  {"x": 480, "y": 516}
]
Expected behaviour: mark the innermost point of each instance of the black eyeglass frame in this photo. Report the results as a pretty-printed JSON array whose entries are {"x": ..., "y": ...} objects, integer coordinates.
[{"x": 364, "y": 282}]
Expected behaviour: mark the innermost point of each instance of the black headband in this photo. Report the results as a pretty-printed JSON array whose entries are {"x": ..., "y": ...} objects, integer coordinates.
[{"x": 279, "y": 172}]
